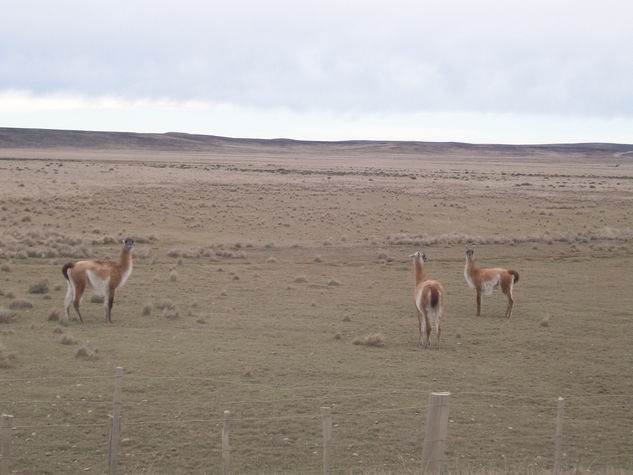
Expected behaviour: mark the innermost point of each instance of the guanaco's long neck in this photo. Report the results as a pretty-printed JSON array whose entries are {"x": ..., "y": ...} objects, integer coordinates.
[
  {"x": 125, "y": 261},
  {"x": 420, "y": 275},
  {"x": 470, "y": 266}
]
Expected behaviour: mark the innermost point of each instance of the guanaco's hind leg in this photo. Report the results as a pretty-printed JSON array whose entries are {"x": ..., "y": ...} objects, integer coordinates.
[
  {"x": 478, "y": 302},
  {"x": 79, "y": 289},
  {"x": 506, "y": 287},
  {"x": 68, "y": 300},
  {"x": 427, "y": 327},
  {"x": 438, "y": 330},
  {"x": 419, "y": 326}
]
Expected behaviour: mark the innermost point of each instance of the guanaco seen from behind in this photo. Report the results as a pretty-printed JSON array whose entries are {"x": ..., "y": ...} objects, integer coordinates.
[{"x": 429, "y": 301}]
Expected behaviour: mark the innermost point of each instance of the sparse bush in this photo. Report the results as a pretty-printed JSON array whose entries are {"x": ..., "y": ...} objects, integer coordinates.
[
  {"x": 67, "y": 340},
  {"x": 173, "y": 276},
  {"x": 377, "y": 339},
  {"x": 147, "y": 310},
  {"x": 84, "y": 352},
  {"x": 97, "y": 299},
  {"x": 301, "y": 279},
  {"x": 143, "y": 239},
  {"x": 333, "y": 283},
  {"x": 271, "y": 260},
  {"x": 5, "y": 268},
  {"x": 58, "y": 329},
  {"x": 163, "y": 304},
  {"x": 53, "y": 316},
  {"x": 7, "y": 316},
  {"x": 171, "y": 313},
  {"x": 6, "y": 357},
  {"x": 20, "y": 303},
  {"x": 175, "y": 253}
]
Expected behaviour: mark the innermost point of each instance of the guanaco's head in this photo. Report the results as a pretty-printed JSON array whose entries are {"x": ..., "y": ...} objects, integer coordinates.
[
  {"x": 128, "y": 244},
  {"x": 469, "y": 254},
  {"x": 418, "y": 256}
]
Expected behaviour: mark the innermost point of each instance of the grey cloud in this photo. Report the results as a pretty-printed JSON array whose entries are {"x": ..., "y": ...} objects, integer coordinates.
[{"x": 409, "y": 56}]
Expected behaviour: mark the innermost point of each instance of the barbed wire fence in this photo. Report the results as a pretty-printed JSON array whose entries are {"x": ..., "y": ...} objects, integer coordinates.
[{"x": 559, "y": 438}]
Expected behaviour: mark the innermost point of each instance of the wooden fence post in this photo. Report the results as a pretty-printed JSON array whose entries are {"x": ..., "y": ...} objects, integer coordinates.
[
  {"x": 226, "y": 449},
  {"x": 558, "y": 439},
  {"x": 326, "y": 422},
  {"x": 436, "y": 432},
  {"x": 116, "y": 422},
  {"x": 5, "y": 443}
]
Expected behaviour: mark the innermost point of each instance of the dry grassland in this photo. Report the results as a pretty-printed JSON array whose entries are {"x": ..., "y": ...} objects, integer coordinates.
[{"x": 272, "y": 285}]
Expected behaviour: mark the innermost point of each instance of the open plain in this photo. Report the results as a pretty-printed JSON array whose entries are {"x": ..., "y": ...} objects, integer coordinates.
[{"x": 272, "y": 278}]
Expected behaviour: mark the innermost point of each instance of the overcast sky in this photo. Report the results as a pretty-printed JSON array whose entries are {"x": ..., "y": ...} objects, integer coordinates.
[{"x": 461, "y": 70}]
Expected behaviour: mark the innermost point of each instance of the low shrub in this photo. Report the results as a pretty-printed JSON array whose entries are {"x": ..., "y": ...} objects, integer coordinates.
[
  {"x": 7, "y": 316},
  {"x": 39, "y": 288}
]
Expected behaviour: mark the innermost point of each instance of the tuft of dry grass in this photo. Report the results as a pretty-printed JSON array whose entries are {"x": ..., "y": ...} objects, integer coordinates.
[
  {"x": 84, "y": 352},
  {"x": 96, "y": 299},
  {"x": 271, "y": 260},
  {"x": 67, "y": 340},
  {"x": 164, "y": 303},
  {"x": 375, "y": 339},
  {"x": 147, "y": 310},
  {"x": 173, "y": 276},
  {"x": 20, "y": 304},
  {"x": 301, "y": 279},
  {"x": 171, "y": 313},
  {"x": 53, "y": 316},
  {"x": 169, "y": 309},
  {"x": 7, "y": 316},
  {"x": 6, "y": 357},
  {"x": 39, "y": 288},
  {"x": 58, "y": 329}
]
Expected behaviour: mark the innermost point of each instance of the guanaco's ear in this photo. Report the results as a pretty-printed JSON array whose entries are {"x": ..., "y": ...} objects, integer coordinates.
[{"x": 424, "y": 259}]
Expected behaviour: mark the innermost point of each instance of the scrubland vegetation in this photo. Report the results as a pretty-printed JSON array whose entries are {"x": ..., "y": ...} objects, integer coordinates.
[{"x": 272, "y": 286}]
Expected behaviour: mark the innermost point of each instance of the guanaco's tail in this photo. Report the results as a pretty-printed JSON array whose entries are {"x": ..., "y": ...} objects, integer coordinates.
[
  {"x": 435, "y": 297},
  {"x": 515, "y": 274},
  {"x": 67, "y": 266}
]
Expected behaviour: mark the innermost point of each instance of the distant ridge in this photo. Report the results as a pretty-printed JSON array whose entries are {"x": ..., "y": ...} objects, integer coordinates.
[{"x": 21, "y": 138}]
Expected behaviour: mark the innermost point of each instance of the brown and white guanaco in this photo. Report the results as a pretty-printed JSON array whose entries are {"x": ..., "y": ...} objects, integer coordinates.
[
  {"x": 429, "y": 301},
  {"x": 485, "y": 279},
  {"x": 104, "y": 277}
]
